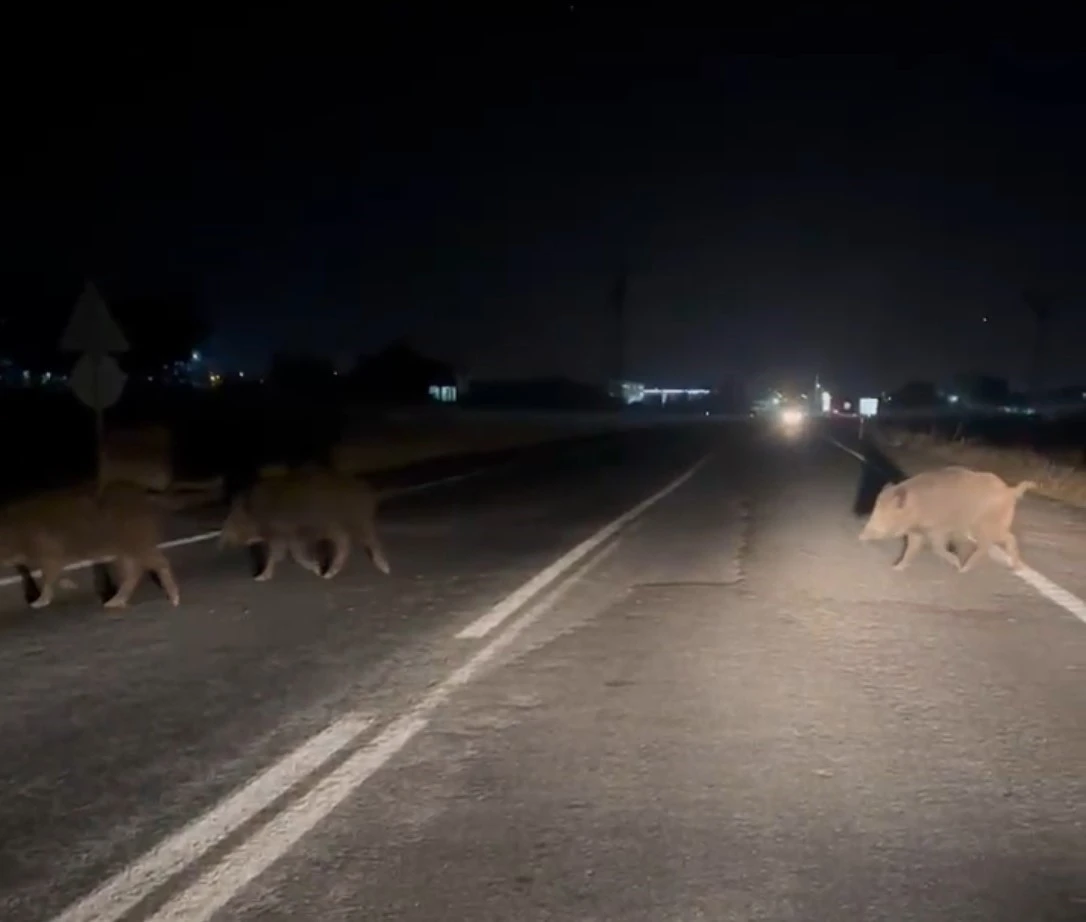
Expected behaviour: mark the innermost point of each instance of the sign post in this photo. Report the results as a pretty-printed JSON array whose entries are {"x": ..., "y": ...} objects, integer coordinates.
[{"x": 97, "y": 379}]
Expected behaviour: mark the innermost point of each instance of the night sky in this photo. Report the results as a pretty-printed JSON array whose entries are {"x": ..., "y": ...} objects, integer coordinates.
[{"x": 476, "y": 182}]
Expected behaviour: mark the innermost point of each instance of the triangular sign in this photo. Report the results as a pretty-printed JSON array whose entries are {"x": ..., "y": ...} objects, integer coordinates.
[{"x": 91, "y": 327}]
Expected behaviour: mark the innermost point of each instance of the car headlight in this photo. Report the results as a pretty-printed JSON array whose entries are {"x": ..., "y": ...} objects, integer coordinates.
[{"x": 792, "y": 416}]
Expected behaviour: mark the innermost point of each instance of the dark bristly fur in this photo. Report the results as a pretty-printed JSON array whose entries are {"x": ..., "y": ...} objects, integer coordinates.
[
  {"x": 59, "y": 527},
  {"x": 290, "y": 510}
]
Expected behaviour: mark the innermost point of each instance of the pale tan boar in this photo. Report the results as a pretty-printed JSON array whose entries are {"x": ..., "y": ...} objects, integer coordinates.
[
  {"x": 59, "y": 527},
  {"x": 290, "y": 510},
  {"x": 940, "y": 505}
]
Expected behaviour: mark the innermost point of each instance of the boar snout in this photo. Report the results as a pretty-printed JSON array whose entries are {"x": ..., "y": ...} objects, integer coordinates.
[{"x": 874, "y": 530}]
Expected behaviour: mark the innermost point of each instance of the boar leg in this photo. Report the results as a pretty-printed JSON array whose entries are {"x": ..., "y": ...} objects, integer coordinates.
[
  {"x": 302, "y": 557},
  {"x": 131, "y": 572},
  {"x": 373, "y": 546},
  {"x": 939, "y": 544},
  {"x": 1010, "y": 545},
  {"x": 341, "y": 541},
  {"x": 51, "y": 568},
  {"x": 913, "y": 543},
  {"x": 158, "y": 564},
  {"x": 983, "y": 543},
  {"x": 277, "y": 550}
]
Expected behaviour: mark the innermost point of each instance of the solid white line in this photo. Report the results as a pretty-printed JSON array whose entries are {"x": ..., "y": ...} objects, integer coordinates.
[
  {"x": 486, "y": 623},
  {"x": 1050, "y": 590},
  {"x": 191, "y": 539},
  {"x": 1054, "y": 592},
  {"x": 83, "y": 564},
  {"x": 845, "y": 448},
  {"x": 124, "y": 890},
  {"x": 442, "y": 481},
  {"x": 221, "y": 883}
]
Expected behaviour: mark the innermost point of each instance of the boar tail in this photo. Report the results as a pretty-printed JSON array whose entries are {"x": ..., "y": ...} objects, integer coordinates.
[{"x": 1022, "y": 487}]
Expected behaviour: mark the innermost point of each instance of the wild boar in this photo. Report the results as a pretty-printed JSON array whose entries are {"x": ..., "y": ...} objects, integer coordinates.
[
  {"x": 122, "y": 525},
  {"x": 288, "y": 511},
  {"x": 952, "y": 502}
]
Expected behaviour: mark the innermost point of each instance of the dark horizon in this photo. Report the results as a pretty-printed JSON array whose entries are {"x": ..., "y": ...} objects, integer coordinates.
[{"x": 872, "y": 218}]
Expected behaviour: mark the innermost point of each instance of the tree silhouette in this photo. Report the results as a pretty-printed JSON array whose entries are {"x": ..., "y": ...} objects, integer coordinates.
[
  {"x": 984, "y": 390},
  {"x": 399, "y": 374}
]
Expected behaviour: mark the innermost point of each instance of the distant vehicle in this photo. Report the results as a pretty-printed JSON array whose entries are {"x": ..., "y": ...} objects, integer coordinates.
[{"x": 791, "y": 419}]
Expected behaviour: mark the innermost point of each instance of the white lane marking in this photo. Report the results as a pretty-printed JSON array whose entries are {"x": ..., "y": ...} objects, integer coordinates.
[
  {"x": 1050, "y": 590},
  {"x": 486, "y": 623},
  {"x": 845, "y": 448},
  {"x": 191, "y": 539},
  {"x": 1054, "y": 592},
  {"x": 452, "y": 478},
  {"x": 212, "y": 535},
  {"x": 120, "y": 893},
  {"x": 83, "y": 564},
  {"x": 219, "y": 884}
]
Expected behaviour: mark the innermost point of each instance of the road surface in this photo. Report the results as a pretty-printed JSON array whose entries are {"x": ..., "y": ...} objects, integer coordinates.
[{"x": 728, "y": 708}]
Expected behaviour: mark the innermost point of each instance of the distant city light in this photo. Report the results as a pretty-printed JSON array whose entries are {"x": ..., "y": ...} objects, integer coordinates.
[{"x": 826, "y": 401}]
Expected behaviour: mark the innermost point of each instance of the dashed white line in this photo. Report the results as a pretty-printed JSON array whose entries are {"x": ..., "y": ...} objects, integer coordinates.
[
  {"x": 1055, "y": 593},
  {"x": 486, "y": 623},
  {"x": 120, "y": 893}
]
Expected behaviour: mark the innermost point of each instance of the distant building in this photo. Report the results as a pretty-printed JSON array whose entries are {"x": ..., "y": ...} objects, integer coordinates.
[
  {"x": 631, "y": 392},
  {"x": 399, "y": 374}
]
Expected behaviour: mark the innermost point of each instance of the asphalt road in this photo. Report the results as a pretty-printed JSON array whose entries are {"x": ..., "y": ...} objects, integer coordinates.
[{"x": 730, "y": 710}]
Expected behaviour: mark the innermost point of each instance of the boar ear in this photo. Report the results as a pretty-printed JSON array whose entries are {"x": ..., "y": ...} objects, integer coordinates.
[{"x": 898, "y": 495}]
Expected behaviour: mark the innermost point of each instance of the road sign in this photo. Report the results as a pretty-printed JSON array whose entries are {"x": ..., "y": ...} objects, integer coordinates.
[
  {"x": 91, "y": 327},
  {"x": 97, "y": 380}
]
